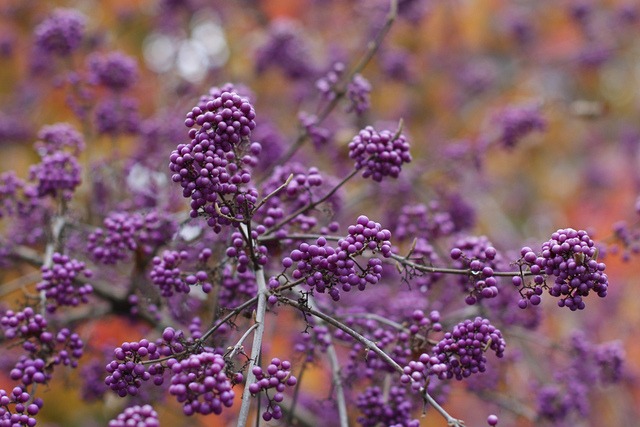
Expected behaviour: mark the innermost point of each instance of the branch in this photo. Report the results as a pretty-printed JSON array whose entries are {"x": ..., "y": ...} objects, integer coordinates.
[
  {"x": 373, "y": 347},
  {"x": 256, "y": 347},
  {"x": 341, "y": 91}
]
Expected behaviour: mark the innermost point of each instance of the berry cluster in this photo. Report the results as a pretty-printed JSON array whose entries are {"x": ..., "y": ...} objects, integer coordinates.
[
  {"x": 394, "y": 409},
  {"x": 479, "y": 256},
  {"x": 167, "y": 275},
  {"x": 285, "y": 48},
  {"x": 58, "y": 174},
  {"x": 117, "y": 116},
  {"x": 59, "y": 136},
  {"x": 516, "y": 122},
  {"x": 127, "y": 371},
  {"x": 325, "y": 268},
  {"x": 114, "y": 70},
  {"x": 25, "y": 325},
  {"x": 214, "y": 164},
  {"x": 61, "y": 33},
  {"x": 379, "y": 154},
  {"x": 458, "y": 355},
  {"x": 201, "y": 384},
  {"x": 570, "y": 256},
  {"x": 125, "y": 232},
  {"x": 358, "y": 91},
  {"x": 277, "y": 376},
  {"x": 60, "y": 282},
  {"x": 23, "y": 408},
  {"x": 138, "y": 416}
]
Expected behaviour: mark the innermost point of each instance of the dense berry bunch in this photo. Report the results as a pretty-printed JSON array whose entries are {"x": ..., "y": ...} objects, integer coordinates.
[
  {"x": 570, "y": 256},
  {"x": 25, "y": 324},
  {"x": 516, "y": 122},
  {"x": 58, "y": 174},
  {"x": 201, "y": 384},
  {"x": 17, "y": 409},
  {"x": 114, "y": 70},
  {"x": 461, "y": 352},
  {"x": 277, "y": 376},
  {"x": 167, "y": 275},
  {"x": 71, "y": 348},
  {"x": 325, "y": 268},
  {"x": 29, "y": 371},
  {"x": 379, "y": 154},
  {"x": 392, "y": 409},
  {"x": 127, "y": 372},
  {"x": 458, "y": 355},
  {"x": 61, "y": 33},
  {"x": 117, "y": 116},
  {"x": 125, "y": 232},
  {"x": 285, "y": 48},
  {"x": 224, "y": 117},
  {"x": 212, "y": 168},
  {"x": 136, "y": 416},
  {"x": 60, "y": 282},
  {"x": 59, "y": 136},
  {"x": 479, "y": 256}
]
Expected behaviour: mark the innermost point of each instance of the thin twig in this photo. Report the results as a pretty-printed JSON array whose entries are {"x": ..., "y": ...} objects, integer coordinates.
[
  {"x": 236, "y": 348},
  {"x": 266, "y": 198}
]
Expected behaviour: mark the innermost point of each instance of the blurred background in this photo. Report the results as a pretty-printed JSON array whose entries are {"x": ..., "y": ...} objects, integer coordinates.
[{"x": 453, "y": 71}]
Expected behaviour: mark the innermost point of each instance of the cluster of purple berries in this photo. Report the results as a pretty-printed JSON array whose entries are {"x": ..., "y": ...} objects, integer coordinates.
[
  {"x": 58, "y": 137},
  {"x": 458, "y": 355},
  {"x": 136, "y": 416},
  {"x": 277, "y": 376},
  {"x": 60, "y": 282},
  {"x": 379, "y": 154},
  {"x": 114, "y": 70},
  {"x": 17, "y": 409},
  {"x": 516, "y": 122},
  {"x": 168, "y": 276},
  {"x": 58, "y": 174},
  {"x": 201, "y": 384},
  {"x": 213, "y": 166},
  {"x": 325, "y": 268},
  {"x": 394, "y": 409},
  {"x": 286, "y": 48},
  {"x": 61, "y": 33},
  {"x": 569, "y": 256},
  {"x": 477, "y": 254},
  {"x": 126, "y": 232}
]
